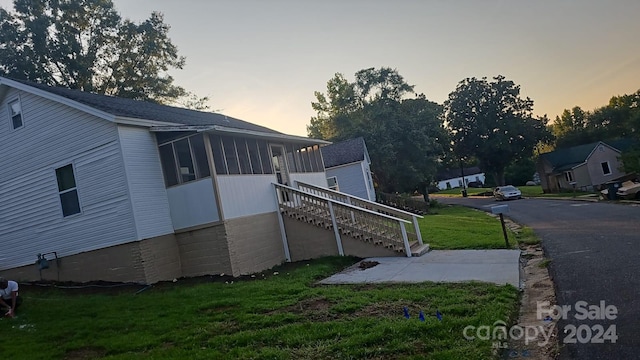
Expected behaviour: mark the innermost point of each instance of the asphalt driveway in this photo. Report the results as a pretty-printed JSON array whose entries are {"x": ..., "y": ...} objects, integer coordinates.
[{"x": 594, "y": 249}]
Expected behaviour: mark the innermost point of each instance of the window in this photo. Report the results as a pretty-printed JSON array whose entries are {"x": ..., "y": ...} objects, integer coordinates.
[
  {"x": 67, "y": 190},
  {"x": 184, "y": 160},
  {"x": 291, "y": 151},
  {"x": 168, "y": 161},
  {"x": 254, "y": 156},
  {"x": 15, "y": 112},
  {"x": 265, "y": 157},
  {"x": 605, "y": 168},
  {"x": 200, "y": 156},
  {"x": 568, "y": 176},
  {"x": 230, "y": 155},
  {"x": 243, "y": 156},
  {"x": 218, "y": 154},
  {"x": 332, "y": 182}
]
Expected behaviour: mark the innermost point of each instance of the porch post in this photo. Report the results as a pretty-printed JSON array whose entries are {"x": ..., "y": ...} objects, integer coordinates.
[
  {"x": 283, "y": 232},
  {"x": 417, "y": 228},
  {"x": 407, "y": 248},
  {"x": 336, "y": 232}
]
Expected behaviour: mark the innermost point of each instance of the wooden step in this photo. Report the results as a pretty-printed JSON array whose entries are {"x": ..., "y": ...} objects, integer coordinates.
[{"x": 419, "y": 250}]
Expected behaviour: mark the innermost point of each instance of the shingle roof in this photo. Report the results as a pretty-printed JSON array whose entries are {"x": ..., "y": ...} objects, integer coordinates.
[
  {"x": 569, "y": 157},
  {"x": 149, "y": 111},
  {"x": 344, "y": 152}
]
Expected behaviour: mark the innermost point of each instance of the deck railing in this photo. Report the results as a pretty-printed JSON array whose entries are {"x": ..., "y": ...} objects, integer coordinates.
[
  {"x": 343, "y": 219},
  {"x": 366, "y": 204}
]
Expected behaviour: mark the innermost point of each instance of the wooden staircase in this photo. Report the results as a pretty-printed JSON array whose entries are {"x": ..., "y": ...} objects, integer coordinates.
[{"x": 374, "y": 224}]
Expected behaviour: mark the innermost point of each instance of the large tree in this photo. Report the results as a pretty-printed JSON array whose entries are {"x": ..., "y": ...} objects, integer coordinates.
[
  {"x": 489, "y": 121},
  {"x": 403, "y": 131},
  {"x": 86, "y": 45}
]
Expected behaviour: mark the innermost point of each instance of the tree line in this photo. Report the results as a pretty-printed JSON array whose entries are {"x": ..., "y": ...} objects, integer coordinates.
[
  {"x": 87, "y": 45},
  {"x": 483, "y": 121}
]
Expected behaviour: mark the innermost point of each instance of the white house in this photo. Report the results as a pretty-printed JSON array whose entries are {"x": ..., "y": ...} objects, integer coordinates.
[
  {"x": 347, "y": 165},
  {"x": 125, "y": 190},
  {"x": 452, "y": 178}
]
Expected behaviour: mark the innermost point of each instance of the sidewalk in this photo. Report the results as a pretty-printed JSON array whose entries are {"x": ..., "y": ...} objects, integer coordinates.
[{"x": 494, "y": 266}]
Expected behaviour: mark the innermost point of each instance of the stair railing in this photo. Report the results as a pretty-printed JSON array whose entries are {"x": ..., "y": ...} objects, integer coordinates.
[
  {"x": 344, "y": 219},
  {"x": 366, "y": 204}
]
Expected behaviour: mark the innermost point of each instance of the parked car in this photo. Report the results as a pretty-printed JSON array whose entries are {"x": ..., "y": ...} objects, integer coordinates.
[
  {"x": 629, "y": 190},
  {"x": 507, "y": 193},
  {"x": 475, "y": 184}
]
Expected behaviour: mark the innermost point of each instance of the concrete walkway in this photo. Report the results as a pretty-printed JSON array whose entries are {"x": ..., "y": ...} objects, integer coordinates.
[{"x": 494, "y": 266}]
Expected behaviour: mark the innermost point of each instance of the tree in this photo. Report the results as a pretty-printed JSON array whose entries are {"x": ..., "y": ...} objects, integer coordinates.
[
  {"x": 403, "y": 131},
  {"x": 85, "y": 45},
  {"x": 489, "y": 120}
]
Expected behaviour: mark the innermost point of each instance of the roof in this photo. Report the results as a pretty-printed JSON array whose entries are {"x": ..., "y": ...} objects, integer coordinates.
[
  {"x": 144, "y": 110},
  {"x": 447, "y": 174},
  {"x": 568, "y": 158},
  {"x": 344, "y": 152}
]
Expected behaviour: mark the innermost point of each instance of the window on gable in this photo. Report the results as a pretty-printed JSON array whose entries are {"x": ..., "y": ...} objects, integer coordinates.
[
  {"x": 15, "y": 112},
  {"x": 67, "y": 190},
  {"x": 605, "y": 168},
  {"x": 332, "y": 183}
]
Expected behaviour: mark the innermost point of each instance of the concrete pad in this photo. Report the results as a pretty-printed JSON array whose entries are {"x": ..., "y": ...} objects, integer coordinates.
[{"x": 494, "y": 266}]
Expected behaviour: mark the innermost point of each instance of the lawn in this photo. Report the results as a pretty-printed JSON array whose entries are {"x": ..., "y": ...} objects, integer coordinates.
[
  {"x": 527, "y": 191},
  {"x": 456, "y": 227},
  {"x": 279, "y": 314}
]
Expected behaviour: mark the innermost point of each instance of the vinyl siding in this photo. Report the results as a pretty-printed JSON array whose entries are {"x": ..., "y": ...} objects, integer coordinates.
[
  {"x": 192, "y": 204},
  {"x": 145, "y": 180},
  {"x": 595, "y": 168},
  {"x": 245, "y": 195},
  {"x": 316, "y": 178},
  {"x": 31, "y": 220},
  {"x": 350, "y": 179}
]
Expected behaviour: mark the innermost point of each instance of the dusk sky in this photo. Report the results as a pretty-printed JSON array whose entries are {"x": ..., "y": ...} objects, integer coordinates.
[{"x": 261, "y": 61}]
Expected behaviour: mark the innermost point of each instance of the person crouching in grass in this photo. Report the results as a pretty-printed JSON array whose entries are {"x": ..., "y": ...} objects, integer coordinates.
[{"x": 9, "y": 298}]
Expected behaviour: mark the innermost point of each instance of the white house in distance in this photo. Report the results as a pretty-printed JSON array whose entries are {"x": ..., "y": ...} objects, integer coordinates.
[
  {"x": 452, "y": 178},
  {"x": 124, "y": 190},
  {"x": 347, "y": 165}
]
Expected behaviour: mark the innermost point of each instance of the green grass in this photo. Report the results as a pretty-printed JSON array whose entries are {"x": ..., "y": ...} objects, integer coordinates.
[
  {"x": 527, "y": 191},
  {"x": 457, "y": 227},
  {"x": 285, "y": 316}
]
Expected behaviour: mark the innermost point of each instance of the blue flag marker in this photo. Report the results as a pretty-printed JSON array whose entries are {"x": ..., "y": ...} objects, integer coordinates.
[
  {"x": 439, "y": 315},
  {"x": 406, "y": 312},
  {"x": 421, "y": 317}
]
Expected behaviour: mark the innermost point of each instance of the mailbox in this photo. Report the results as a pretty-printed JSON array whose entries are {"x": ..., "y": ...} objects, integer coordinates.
[{"x": 500, "y": 209}]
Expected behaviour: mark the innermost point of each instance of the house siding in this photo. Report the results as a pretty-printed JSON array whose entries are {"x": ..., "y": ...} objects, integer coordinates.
[
  {"x": 317, "y": 178},
  {"x": 193, "y": 204},
  {"x": 145, "y": 181},
  {"x": 55, "y": 135},
  {"x": 246, "y": 195},
  {"x": 595, "y": 168},
  {"x": 351, "y": 179}
]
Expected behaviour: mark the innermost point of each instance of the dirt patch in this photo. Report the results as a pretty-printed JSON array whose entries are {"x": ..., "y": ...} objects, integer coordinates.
[
  {"x": 86, "y": 353},
  {"x": 367, "y": 264},
  {"x": 315, "y": 309},
  {"x": 537, "y": 287}
]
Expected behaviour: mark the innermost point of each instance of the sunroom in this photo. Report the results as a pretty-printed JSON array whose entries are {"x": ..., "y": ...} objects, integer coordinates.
[{"x": 214, "y": 173}]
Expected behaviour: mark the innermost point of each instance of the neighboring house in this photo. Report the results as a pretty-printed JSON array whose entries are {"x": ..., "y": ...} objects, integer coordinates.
[
  {"x": 452, "y": 178},
  {"x": 124, "y": 190},
  {"x": 585, "y": 167},
  {"x": 347, "y": 165}
]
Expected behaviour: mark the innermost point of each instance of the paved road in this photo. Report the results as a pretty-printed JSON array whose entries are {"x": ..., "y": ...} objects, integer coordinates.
[{"x": 595, "y": 250}]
